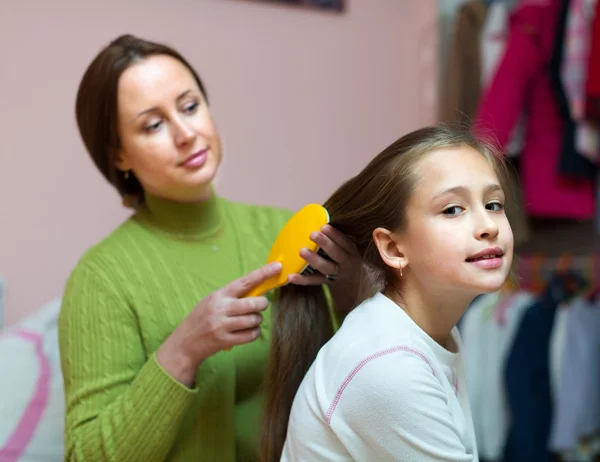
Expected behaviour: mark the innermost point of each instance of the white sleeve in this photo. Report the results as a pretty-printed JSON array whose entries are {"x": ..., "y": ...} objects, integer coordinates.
[{"x": 387, "y": 414}]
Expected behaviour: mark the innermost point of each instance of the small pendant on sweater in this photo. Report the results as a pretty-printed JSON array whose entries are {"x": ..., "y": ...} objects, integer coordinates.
[{"x": 215, "y": 248}]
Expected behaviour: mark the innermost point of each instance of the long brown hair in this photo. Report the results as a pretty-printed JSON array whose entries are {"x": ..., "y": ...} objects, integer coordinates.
[
  {"x": 376, "y": 197},
  {"x": 96, "y": 106}
]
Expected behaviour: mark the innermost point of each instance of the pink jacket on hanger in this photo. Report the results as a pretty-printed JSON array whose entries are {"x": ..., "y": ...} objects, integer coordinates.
[{"x": 522, "y": 82}]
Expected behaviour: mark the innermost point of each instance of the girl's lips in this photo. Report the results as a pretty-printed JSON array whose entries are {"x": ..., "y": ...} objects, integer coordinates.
[{"x": 487, "y": 263}]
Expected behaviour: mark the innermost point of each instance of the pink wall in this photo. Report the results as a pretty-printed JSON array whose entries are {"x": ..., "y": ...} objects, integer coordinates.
[{"x": 303, "y": 100}]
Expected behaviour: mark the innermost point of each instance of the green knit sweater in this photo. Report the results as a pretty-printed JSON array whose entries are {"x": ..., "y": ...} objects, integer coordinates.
[{"x": 125, "y": 296}]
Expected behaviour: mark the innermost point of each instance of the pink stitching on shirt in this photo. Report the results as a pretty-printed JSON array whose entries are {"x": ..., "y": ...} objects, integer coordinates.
[
  {"x": 455, "y": 382},
  {"x": 360, "y": 365}
]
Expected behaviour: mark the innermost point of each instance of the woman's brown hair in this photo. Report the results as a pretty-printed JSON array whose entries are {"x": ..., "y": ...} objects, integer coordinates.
[
  {"x": 376, "y": 197},
  {"x": 96, "y": 106}
]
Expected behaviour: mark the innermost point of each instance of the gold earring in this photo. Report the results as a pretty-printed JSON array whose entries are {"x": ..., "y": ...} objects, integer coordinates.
[
  {"x": 126, "y": 174},
  {"x": 400, "y": 271}
]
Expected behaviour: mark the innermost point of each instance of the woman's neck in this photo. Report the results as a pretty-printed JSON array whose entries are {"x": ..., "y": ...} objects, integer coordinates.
[
  {"x": 185, "y": 219},
  {"x": 435, "y": 313}
]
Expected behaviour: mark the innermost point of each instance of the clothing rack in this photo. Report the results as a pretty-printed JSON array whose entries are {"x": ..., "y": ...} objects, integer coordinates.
[
  {"x": 556, "y": 237},
  {"x": 470, "y": 55},
  {"x": 534, "y": 270}
]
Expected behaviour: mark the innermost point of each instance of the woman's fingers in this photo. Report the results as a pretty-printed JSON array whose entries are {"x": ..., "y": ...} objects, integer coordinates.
[
  {"x": 243, "y": 322},
  {"x": 242, "y": 306},
  {"x": 244, "y": 336},
  {"x": 245, "y": 284}
]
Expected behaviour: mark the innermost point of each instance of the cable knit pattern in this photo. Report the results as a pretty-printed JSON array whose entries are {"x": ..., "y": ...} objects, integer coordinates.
[{"x": 125, "y": 296}]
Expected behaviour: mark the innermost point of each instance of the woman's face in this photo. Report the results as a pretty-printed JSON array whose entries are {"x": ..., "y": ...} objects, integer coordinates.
[{"x": 169, "y": 140}]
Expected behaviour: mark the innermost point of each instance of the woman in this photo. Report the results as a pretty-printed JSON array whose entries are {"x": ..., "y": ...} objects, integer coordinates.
[
  {"x": 427, "y": 216},
  {"x": 148, "y": 311}
]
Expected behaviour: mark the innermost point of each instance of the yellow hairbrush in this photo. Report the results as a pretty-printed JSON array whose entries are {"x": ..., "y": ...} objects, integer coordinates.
[{"x": 293, "y": 237}]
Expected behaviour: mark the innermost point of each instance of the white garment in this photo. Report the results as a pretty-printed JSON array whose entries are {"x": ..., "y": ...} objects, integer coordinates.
[
  {"x": 493, "y": 41},
  {"x": 488, "y": 331},
  {"x": 577, "y": 414},
  {"x": 382, "y": 390},
  {"x": 558, "y": 339}
]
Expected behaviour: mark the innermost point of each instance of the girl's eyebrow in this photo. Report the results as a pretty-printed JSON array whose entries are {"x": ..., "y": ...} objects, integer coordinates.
[{"x": 462, "y": 190}]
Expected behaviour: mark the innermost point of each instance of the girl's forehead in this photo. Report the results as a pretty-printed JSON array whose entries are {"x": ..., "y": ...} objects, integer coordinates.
[{"x": 450, "y": 167}]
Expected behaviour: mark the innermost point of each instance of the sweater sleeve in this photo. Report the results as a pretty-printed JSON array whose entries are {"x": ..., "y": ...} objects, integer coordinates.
[
  {"x": 397, "y": 415},
  {"x": 120, "y": 404}
]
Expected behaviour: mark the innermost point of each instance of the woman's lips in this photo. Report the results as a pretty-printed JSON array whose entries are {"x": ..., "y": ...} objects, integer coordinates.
[{"x": 196, "y": 160}]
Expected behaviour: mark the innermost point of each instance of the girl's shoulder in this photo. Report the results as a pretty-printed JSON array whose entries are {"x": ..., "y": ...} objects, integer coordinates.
[{"x": 378, "y": 339}]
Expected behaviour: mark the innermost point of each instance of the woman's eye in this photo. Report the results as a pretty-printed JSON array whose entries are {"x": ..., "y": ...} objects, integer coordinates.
[
  {"x": 452, "y": 211},
  {"x": 152, "y": 127},
  {"x": 190, "y": 107},
  {"x": 495, "y": 206}
]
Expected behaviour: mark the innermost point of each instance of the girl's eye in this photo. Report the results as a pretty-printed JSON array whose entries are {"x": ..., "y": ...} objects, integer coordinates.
[
  {"x": 495, "y": 206},
  {"x": 453, "y": 211}
]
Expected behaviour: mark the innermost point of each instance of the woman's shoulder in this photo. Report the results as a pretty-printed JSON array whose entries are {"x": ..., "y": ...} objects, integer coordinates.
[{"x": 102, "y": 257}]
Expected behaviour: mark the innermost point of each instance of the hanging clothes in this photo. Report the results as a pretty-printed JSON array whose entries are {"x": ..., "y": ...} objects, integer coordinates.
[
  {"x": 571, "y": 162},
  {"x": 487, "y": 331},
  {"x": 573, "y": 75},
  {"x": 577, "y": 415},
  {"x": 492, "y": 47},
  {"x": 522, "y": 84},
  {"x": 528, "y": 381},
  {"x": 461, "y": 86},
  {"x": 592, "y": 89},
  {"x": 532, "y": 363},
  {"x": 446, "y": 14},
  {"x": 557, "y": 349}
]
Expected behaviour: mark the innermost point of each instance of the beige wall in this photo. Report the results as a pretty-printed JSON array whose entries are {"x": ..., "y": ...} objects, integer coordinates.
[{"x": 303, "y": 99}]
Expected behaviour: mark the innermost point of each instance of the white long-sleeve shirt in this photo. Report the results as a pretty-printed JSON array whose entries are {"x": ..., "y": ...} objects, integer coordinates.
[{"x": 382, "y": 390}]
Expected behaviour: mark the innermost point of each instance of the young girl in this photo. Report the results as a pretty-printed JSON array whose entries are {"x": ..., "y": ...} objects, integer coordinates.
[{"x": 427, "y": 217}]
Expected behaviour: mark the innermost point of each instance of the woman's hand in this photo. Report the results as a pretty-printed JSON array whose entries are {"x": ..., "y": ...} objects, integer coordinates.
[
  {"x": 220, "y": 321},
  {"x": 342, "y": 273}
]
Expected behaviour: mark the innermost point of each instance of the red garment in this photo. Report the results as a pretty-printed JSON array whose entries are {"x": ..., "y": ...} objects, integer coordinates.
[
  {"x": 522, "y": 83},
  {"x": 592, "y": 88}
]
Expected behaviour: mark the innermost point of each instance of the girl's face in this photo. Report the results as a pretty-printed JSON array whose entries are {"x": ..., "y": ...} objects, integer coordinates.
[
  {"x": 457, "y": 236},
  {"x": 168, "y": 137}
]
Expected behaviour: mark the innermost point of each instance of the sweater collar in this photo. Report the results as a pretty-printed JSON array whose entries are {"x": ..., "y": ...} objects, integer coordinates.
[{"x": 183, "y": 219}]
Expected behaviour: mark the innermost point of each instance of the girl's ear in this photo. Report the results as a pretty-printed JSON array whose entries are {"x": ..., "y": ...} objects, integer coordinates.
[{"x": 390, "y": 248}]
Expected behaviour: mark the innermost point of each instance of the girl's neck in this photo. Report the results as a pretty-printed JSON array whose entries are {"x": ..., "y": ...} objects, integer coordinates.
[{"x": 435, "y": 313}]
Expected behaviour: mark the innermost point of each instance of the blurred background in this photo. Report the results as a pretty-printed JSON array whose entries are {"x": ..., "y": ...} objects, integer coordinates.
[{"x": 305, "y": 93}]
